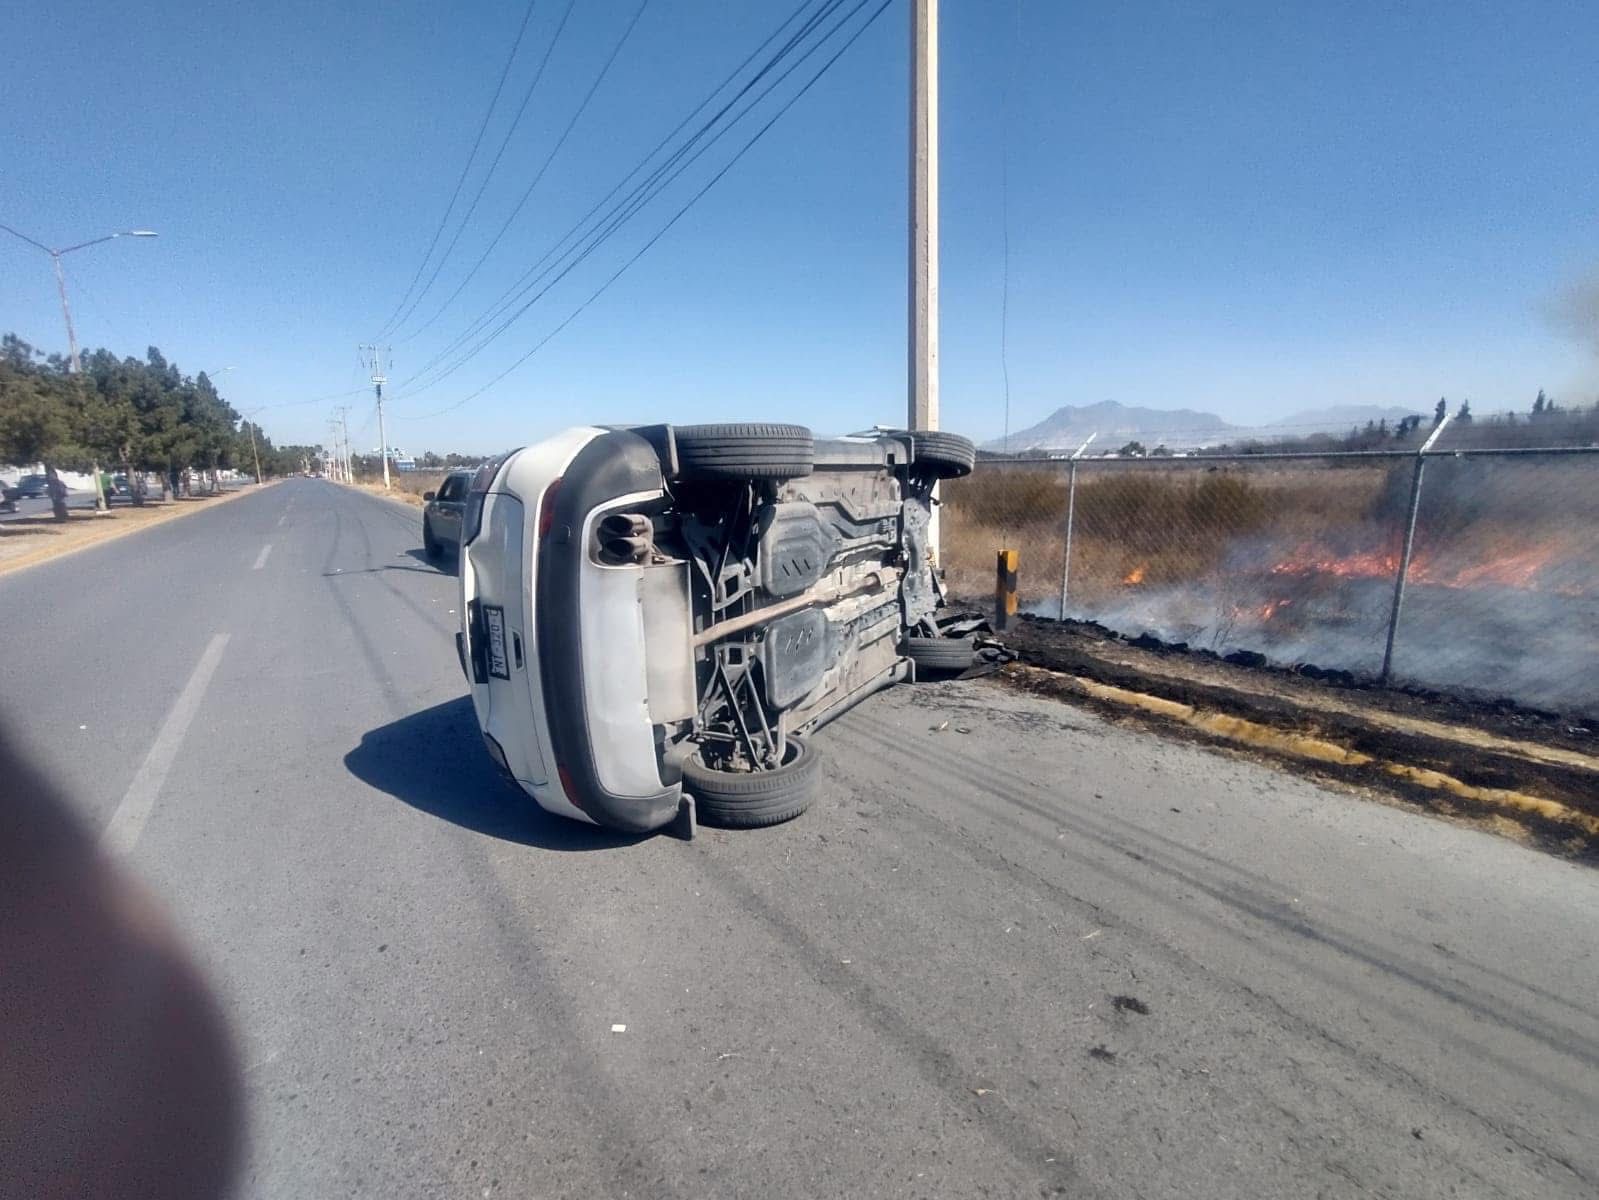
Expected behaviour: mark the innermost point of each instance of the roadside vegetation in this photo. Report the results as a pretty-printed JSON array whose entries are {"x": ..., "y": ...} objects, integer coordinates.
[
  {"x": 1138, "y": 525},
  {"x": 129, "y": 415},
  {"x": 408, "y": 486}
]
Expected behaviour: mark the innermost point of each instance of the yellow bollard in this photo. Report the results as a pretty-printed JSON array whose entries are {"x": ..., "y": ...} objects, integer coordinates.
[{"x": 1005, "y": 588}]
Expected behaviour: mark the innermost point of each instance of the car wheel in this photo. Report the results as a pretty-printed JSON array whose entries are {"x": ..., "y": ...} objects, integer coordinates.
[
  {"x": 939, "y": 654},
  {"x": 941, "y": 455},
  {"x": 751, "y": 799},
  {"x": 430, "y": 546},
  {"x": 747, "y": 451}
]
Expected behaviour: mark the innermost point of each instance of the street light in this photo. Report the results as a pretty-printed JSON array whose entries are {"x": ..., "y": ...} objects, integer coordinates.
[{"x": 66, "y": 311}]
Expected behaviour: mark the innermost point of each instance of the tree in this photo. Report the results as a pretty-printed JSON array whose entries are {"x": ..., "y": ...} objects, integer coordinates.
[
  {"x": 1132, "y": 450},
  {"x": 36, "y": 419},
  {"x": 1539, "y": 404},
  {"x": 1440, "y": 412},
  {"x": 1463, "y": 417}
]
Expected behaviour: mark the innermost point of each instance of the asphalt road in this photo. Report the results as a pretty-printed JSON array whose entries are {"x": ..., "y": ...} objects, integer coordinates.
[{"x": 1025, "y": 952}]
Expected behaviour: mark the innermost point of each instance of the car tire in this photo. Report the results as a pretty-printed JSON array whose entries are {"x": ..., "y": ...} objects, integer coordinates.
[
  {"x": 752, "y": 799},
  {"x": 940, "y": 655},
  {"x": 941, "y": 455},
  {"x": 430, "y": 545},
  {"x": 744, "y": 451}
]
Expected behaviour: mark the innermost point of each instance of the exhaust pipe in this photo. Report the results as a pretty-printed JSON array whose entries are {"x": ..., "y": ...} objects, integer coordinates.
[{"x": 619, "y": 551}]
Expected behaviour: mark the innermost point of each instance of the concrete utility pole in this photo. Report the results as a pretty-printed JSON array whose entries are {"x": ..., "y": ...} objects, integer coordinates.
[
  {"x": 254, "y": 453},
  {"x": 922, "y": 373},
  {"x": 344, "y": 423},
  {"x": 378, "y": 381},
  {"x": 922, "y": 410},
  {"x": 329, "y": 455}
]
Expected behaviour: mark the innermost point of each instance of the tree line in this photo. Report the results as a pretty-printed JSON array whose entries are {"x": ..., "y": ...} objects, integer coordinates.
[
  {"x": 1545, "y": 423},
  {"x": 134, "y": 415}
]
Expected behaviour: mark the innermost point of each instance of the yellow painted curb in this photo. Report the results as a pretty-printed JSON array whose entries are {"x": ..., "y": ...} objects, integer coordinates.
[{"x": 1478, "y": 739}]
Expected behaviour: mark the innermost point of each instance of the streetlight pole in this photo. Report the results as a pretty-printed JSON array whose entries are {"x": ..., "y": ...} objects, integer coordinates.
[{"x": 72, "y": 335}]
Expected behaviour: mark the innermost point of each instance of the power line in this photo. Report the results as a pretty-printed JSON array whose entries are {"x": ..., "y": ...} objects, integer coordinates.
[
  {"x": 532, "y": 276},
  {"x": 640, "y": 199},
  {"x": 471, "y": 157},
  {"x": 466, "y": 220},
  {"x": 538, "y": 176},
  {"x": 680, "y": 212},
  {"x": 312, "y": 400}
]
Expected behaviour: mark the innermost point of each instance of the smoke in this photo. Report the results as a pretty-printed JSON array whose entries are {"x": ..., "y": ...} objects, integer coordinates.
[
  {"x": 1470, "y": 642},
  {"x": 1574, "y": 310},
  {"x": 1502, "y": 599}
]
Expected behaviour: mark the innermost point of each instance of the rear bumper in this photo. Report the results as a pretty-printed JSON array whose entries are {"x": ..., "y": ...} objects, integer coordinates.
[{"x": 590, "y": 657}]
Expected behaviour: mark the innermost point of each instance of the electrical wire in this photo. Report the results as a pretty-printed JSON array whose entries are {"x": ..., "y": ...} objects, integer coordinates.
[
  {"x": 312, "y": 400},
  {"x": 638, "y": 254},
  {"x": 483, "y": 184},
  {"x": 638, "y": 200},
  {"x": 466, "y": 169},
  {"x": 532, "y": 276},
  {"x": 538, "y": 176}
]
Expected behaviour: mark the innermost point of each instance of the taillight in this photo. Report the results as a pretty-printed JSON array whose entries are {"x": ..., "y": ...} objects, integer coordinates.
[
  {"x": 570, "y": 788},
  {"x": 547, "y": 507}
]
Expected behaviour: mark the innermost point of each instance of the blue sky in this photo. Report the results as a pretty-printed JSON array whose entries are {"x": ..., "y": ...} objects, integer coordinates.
[{"x": 1246, "y": 208}]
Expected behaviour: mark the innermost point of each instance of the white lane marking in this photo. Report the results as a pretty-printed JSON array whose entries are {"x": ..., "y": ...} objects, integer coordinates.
[
  {"x": 127, "y": 823},
  {"x": 283, "y": 518},
  {"x": 261, "y": 558}
]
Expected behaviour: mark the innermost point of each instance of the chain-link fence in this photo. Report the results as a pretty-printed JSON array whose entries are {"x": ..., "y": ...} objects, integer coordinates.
[{"x": 1303, "y": 559}]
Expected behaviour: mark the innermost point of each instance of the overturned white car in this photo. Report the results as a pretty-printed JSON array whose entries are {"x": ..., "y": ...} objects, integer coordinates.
[{"x": 655, "y": 611}]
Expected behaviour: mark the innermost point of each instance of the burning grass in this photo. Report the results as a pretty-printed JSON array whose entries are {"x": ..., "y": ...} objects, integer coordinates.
[
  {"x": 1296, "y": 563},
  {"x": 1136, "y": 526}
]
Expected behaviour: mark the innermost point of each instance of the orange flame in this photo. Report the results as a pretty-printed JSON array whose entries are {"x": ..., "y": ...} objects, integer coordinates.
[
  {"x": 1521, "y": 568},
  {"x": 1136, "y": 575}
]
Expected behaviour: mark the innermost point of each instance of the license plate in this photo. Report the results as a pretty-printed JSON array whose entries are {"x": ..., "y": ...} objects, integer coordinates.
[{"x": 494, "y": 622}]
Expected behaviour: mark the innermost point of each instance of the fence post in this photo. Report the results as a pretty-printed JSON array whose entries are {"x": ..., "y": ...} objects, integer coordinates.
[
  {"x": 1004, "y": 589},
  {"x": 1410, "y": 542},
  {"x": 1071, "y": 513}
]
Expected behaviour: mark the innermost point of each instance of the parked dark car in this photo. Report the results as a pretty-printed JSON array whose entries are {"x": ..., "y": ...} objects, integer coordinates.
[
  {"x": 441, "y": 516},
  {"x": 8, "y": 498},
  {"x": 33, "y": 487}
]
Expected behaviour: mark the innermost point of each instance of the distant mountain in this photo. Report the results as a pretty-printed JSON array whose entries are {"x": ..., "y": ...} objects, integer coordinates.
[
  {"x": 1180, "y": 428},
  {"x": 1066, "y": 427}
]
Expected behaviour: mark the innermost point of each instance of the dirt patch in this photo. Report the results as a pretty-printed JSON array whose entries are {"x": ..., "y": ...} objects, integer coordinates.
[
  {"x": 28, "y": 541},
  {"x": 1506, "y": 769},
  {"x": 407, "y": 488}
]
